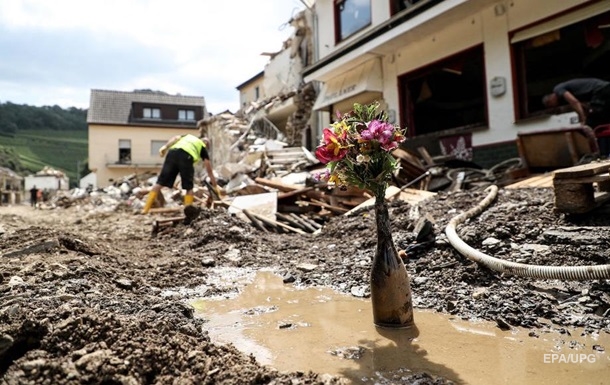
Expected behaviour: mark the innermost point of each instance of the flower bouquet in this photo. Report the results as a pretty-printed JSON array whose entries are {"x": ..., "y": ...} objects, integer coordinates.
[{"x": 357, "y": 150}]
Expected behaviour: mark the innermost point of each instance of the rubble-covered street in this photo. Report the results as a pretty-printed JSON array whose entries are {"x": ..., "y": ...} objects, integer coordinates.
[{"x": 83, "y": 286}]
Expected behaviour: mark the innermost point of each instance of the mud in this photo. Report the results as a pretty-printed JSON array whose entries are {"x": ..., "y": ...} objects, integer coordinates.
[{"x": 90, "y": 296}]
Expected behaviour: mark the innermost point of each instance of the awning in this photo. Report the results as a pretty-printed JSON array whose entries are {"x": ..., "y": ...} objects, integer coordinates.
[{"x": 366, "y": 77}]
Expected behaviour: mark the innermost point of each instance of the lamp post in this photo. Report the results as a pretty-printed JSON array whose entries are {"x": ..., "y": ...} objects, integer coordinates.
[{"x": 77, "y": 173}]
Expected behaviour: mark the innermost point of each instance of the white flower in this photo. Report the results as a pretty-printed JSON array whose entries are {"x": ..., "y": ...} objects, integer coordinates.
[{"x": 361, "y": 158}]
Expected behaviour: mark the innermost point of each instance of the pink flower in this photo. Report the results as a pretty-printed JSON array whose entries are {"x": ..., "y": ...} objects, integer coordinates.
[
  {"x": 383, "y": 133},
  {"x": 321, "y": 175},
  {"x": 379, "y": 131},
  {"x": 389, "y": 146}
]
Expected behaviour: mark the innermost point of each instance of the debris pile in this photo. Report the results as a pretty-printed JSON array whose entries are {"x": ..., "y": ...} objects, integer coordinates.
[
  {"x": 50, "y": 171},
  {"x": 274, "y": 187}
]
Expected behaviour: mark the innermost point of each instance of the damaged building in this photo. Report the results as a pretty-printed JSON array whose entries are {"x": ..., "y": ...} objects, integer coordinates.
[{"x": 465, "y": 77}]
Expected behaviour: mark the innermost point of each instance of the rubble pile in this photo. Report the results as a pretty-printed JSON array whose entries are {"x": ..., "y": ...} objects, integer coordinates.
[
  {"x": 50, "y": 171},
  {"x": 274, "y": 187}
]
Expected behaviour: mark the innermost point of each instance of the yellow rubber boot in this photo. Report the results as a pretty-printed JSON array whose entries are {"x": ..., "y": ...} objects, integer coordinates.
[
  {"x": 149, "y": 201},
  {"x": 188, "y": 200}
]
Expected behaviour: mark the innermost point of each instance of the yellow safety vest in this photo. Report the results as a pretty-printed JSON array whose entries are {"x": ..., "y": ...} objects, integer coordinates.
[{"x": 191, "y": 144}]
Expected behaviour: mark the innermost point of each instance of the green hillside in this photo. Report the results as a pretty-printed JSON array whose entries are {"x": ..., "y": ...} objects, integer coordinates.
[
  {"x": 34, "y": 137},
  {"x": 61, "y": 150}
]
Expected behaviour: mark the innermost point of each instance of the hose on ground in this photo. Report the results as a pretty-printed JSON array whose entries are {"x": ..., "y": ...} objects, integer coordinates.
[{"x": 570, "y": 273}]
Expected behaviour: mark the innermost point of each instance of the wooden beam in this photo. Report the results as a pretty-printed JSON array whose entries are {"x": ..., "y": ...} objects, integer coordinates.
[
  {"x": 291, "y": 221},
  {"x": 276, "y": 185},
  {"x": 165, "y": 210},
  {"x": 305, "y": 224},
  {"x": 278, "y": 224},
  {"x": 293, "y": 193},
  {"x": 315, "y": 202},
  {"x": 255, "y": 221}
]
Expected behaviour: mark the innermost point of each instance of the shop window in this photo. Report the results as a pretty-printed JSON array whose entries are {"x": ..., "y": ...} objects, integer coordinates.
[
  {"x": 449, "y": 94},
  {"x": 581, "y": 49},
  {"x": 351, "y": 16}
]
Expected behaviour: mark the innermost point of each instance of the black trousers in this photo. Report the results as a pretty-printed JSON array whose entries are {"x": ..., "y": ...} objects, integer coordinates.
[
  {"x": 599, "y": 108},
  {"x": 177, "y": 161}
]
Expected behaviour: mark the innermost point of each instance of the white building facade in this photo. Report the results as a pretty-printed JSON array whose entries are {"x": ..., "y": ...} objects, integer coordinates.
[
  {"x": 49, "y": 182},
  {"x": 445, "y": 69}
]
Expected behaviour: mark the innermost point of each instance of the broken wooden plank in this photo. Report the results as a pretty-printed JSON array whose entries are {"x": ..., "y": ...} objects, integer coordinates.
[
  {"x": 545, "y": 180},
  {"x": 583, "y": 170},
  {"x": 426, "y": 156},
  {"x": 410, "y": 164},
  {"x": 272, "y": 223},
  {"x": 293, "y": 193},
  {"x": 304, "y": 224},
  {"x": 312, "y": 222},
  {"x": 316, "y": 194},
  {"x": 589, "y": 179},
  {"x": 295, "y": 208},
  {"x": 315, "y": 202},
  {"x": 277, "y": 185},
  {"x": 407, "y": 156},
  {"x": 411, "y": 196},
  {"x": 278, "y": 224},
  {"x": 262, "y": 204},
  {"x": 258, "y": 224},
  {"x": 353, "y": 201},
  {"x": 165, "y": 210},
  {"x": 575, "y": 192},
  {"x": 292, "y": 221},
  {"x": 578, "y": 199},
  {"x": 410, "y": 183},
  {"x": 165, "y": 222}
]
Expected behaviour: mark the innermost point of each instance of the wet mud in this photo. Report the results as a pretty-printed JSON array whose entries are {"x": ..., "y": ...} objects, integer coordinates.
[{"x": 90, "y": 296}]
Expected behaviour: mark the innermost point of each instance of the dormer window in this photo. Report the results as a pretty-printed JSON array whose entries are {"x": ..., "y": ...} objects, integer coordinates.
[
  {"x": 151, "y": 113},
  {"x": 186, "y": 115}
]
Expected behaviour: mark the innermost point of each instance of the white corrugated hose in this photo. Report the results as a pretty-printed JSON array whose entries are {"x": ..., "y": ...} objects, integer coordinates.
[{"x": 570, "y": 273}]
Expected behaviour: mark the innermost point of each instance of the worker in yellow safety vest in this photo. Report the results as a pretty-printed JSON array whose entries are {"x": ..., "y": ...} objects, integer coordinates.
[{"x": 182, "y": 151}]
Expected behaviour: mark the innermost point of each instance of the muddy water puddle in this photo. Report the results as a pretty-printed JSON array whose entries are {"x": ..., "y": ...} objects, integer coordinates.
[{"x": 324, "y": 331}]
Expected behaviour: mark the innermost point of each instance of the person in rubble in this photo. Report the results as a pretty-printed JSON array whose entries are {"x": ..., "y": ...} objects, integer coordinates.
[
  {"x": 589, "y": 97},
  {"x": 33, "y": 196},
  {"x": 182, "y": 151}
]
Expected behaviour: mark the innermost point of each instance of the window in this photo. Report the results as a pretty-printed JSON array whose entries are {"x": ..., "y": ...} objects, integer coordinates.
[
  {"x": 351, "y": 16},
  {"x": 152, "y": 113},
  {"x": 186, "y": 115},
  {"x": 155, "y": 145},
  {"x": 400, "y": 5},
  {"x": 447, "y": 95},
  {"x": 124, "y": 151},
  {"x": 257, "y": 93},
  {"x": 581, "y": 49}
]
